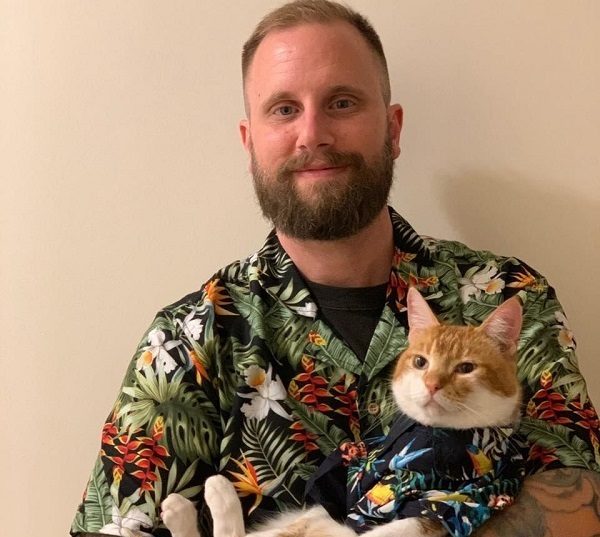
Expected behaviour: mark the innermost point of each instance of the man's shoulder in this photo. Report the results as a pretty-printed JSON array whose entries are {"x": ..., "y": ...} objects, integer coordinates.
[{"x": 461, "y": 254}]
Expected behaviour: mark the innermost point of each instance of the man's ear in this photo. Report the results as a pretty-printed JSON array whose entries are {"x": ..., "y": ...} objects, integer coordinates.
[
  {"x": 395, "y": 117},
  {"x": 245, "y": 134}
]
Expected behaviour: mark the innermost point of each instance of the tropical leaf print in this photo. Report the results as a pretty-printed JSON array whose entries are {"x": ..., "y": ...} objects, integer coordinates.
[
  {"x": 388, "y": 341},
  {"x": 272, "y": 259},
  {"x": 406, "y": 236},
  {"x": 245, "y": 356},
  {"x": 188, "y": 415},
  {"x": 570, "y": 449},
  {"x": 287, "y": 333},
  {"x": 329, "y": 437},
  {"x": 326, "y": 347},
  {"x": 97, "y": 501},
  {"x": 250, "y": 306},
  {"x": 273, "y": 458},
  {"x": 377, "y": 407},
  {"x": 177, "y": 482}
]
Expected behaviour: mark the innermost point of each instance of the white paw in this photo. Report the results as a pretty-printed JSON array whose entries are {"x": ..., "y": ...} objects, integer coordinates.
[
  {"x": 225, "y": 507},
  {"x": 179, "y": 515},
  {"x": 220, "y": 495}
]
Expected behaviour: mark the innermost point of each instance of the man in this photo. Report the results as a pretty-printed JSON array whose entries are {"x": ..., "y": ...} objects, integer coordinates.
[{"x": 283, "y": 356}]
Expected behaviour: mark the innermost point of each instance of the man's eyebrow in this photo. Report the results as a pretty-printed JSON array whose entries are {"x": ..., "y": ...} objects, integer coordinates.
[{"x": 342, "y": 88}]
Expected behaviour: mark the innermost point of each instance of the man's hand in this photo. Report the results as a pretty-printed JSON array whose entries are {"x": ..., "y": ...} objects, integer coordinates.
[{"x": 557, "y": 503}]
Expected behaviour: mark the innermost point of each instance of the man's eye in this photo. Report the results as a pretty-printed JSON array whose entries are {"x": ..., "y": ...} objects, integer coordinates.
[
  {"x": 285, "y": 110},
  {"x": 342, "y": 104}
]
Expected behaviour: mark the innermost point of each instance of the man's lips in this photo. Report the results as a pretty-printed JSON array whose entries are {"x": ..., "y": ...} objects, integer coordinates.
[{"x": 319, "y": 170}]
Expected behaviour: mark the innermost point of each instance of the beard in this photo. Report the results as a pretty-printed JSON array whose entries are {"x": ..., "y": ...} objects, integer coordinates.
[{"x": 333, "y": 208}]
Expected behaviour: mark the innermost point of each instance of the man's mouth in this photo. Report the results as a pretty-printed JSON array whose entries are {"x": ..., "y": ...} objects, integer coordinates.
[{"x": 319, "y": 170}]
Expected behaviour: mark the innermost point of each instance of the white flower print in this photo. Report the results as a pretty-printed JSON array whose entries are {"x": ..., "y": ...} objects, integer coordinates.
[
  {"x": 268, "y": 392},
  {"x": 191, "y": 327},
  {"x": 477, "y": 281},
  {"x": 565, "y": 336},
  {"x": 128, "y": 525},
  {"x": 308, "y": 310},
  {"x": 158, "y": 350}
]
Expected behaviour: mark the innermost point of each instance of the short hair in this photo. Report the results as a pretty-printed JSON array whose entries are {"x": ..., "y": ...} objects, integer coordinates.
[{"x": 300, "y": 12}]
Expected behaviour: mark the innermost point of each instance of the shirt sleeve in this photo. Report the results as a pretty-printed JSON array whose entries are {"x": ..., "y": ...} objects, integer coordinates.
[
  {"x": 162, "y": 435},
  {"x": 559, "y": 422}
]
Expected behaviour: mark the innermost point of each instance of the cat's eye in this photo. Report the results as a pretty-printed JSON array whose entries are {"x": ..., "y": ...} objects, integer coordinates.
[
  {"x": 465, "y": 368},
  {"x": 420, "y": 362}
]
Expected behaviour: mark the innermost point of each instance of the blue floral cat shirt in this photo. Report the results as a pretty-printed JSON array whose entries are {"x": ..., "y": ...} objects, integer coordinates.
[{"x": 455, "y": 477}]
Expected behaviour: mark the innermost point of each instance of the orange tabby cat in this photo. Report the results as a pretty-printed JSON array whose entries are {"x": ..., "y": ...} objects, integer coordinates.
[{"x": 457, "y": 377}]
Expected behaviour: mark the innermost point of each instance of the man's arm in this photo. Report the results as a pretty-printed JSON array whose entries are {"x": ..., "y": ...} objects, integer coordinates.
[{"x": 557, "y": 503}]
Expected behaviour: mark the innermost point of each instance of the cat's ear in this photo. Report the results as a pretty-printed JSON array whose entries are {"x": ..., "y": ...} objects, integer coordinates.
[
  {"x": 504, "y": 324},
  {"x": 420, "y": 315}
]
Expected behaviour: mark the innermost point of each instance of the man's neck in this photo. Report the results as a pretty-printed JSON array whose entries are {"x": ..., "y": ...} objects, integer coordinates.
[{"x": 363, "y": 260}]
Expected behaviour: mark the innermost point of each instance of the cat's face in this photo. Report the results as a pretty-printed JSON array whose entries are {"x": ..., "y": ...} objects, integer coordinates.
[{"x": 459, "y": 376}]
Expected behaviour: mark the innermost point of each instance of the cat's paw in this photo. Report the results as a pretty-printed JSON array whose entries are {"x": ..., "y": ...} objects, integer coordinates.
[
  {"x": 225, "y": 507},
  {"x": 220, "y": 495},
  {"x": 179, "y": 515}
]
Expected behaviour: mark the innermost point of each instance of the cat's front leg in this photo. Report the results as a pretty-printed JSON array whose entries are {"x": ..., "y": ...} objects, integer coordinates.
[
  {"x": 179, "y": 515},
  {"x": 408, "y": 527},
  {"x": 225, "y": 507}
]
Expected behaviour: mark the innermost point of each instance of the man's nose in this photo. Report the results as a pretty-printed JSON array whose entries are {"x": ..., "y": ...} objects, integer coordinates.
[{"x": 314, "y": 131}]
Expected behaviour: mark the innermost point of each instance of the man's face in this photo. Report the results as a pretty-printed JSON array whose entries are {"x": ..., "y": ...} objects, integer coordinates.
[{"x": 321, "y": 138}]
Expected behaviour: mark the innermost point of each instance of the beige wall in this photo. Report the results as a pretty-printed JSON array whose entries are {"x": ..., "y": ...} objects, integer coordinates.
[{"x": 123, "y": 185}]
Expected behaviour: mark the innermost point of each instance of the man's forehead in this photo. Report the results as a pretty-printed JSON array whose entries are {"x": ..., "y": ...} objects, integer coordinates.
[{"x": 311, "y": 47}]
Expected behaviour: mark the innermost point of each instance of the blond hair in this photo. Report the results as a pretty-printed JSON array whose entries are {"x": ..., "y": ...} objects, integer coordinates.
[{"x": 315, "y": 11}]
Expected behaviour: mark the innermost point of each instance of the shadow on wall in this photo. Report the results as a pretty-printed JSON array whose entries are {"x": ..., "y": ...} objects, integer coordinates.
[{"x": 555, "y": 231}]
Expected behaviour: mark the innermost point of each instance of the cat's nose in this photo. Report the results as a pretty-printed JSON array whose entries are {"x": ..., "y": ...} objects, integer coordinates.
[{"x": 433, "y": 386}]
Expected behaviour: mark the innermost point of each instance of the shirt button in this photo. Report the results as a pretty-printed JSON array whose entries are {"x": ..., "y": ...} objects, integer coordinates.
[{"x": 373, "y": 409}]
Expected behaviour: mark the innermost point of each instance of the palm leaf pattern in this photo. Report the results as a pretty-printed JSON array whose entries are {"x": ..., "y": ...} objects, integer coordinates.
[
  {"x": 97, "y": 504},
  {"x": 273, "y": 458},
  {"x": 389, "y": 340},
  {"x": 571, "y": 449},
  {"x": 189, "y": 416}
]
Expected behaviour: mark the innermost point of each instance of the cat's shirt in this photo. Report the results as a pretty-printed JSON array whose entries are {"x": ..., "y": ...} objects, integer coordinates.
[{"x": 456, "y": 477}]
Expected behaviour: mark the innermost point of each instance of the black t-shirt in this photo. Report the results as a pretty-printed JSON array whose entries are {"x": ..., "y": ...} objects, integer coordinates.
[{"x": 352, "y": 312}]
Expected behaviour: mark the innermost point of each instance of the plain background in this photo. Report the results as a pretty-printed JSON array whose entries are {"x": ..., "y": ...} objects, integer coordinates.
[{"x": 124, "y": 186}]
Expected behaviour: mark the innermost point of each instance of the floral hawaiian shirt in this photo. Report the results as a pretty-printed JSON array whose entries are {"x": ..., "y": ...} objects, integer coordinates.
[{"x": 243, "y": 377}]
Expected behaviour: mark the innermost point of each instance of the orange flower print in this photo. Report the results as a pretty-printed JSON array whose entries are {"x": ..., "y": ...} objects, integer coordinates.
[
  {"x": 218, "y": 297},
  {"x": 316, "y": 339},
  {"x": 525, "y": 280},
  {"x": 246, "y": 483},
  {"x": 198, "y": 366},
  {"x": 401, "y": 257}
]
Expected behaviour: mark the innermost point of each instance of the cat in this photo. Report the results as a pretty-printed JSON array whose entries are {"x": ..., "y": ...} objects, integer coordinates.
[{"x": 454, "y": 377}]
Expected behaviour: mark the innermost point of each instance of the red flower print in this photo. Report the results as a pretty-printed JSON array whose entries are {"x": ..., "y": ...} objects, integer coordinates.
[
  {"x": 550, "y": 405},
  {"x": 302, "y": 435},
  {"x": 140, "y": 454},
  {"x": 310, "y": 388},
  {"x": 543, "y": 455}
]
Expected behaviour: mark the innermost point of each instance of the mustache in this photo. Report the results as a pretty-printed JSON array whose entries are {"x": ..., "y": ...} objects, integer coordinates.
[{"x": 328, "y": 158}]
